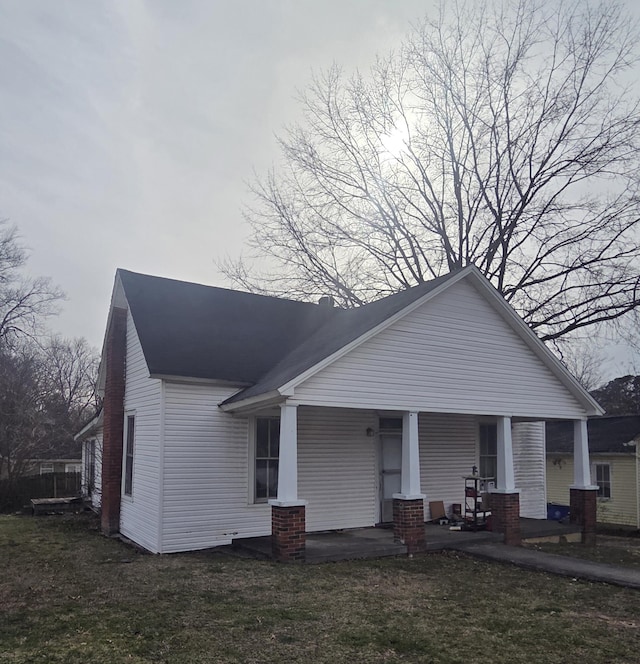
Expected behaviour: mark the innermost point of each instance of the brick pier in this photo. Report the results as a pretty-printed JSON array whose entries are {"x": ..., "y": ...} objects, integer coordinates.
[
  {"x": 583, "y": 506},
  {"x": 505, "y": 516},
  {"x": 288, "y": 536},
  {"x": 408, "y": 524}
]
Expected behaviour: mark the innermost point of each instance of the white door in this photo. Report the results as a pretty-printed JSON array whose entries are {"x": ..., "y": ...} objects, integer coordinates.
[{"x": 390, "y": 469}]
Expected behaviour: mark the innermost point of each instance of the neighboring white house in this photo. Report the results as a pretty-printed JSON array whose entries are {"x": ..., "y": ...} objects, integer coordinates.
[
  {"x": 91, "y": 438},
  {"x": 225, "y": 410}
]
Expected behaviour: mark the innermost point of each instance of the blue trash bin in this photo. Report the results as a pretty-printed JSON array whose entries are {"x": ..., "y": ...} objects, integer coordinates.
[{"x": 557, "y": 512}]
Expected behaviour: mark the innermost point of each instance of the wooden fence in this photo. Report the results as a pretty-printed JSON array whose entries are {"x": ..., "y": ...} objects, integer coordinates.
[{"x": 17, "y": 493}]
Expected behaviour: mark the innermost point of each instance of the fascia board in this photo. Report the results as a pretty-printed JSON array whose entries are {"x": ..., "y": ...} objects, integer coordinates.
[
  {"x": 268, "y": 398},
  {"x": 191, "y": 380},
  {"x": 90, "y": 426},
  {"x": 536, "y": 345},
  {"x": 289, "y": 387},
  {"x": 118, "y": 299}
]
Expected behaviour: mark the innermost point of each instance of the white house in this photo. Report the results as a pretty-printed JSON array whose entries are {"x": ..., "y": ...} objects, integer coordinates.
[{"x": 230, "y": 415}]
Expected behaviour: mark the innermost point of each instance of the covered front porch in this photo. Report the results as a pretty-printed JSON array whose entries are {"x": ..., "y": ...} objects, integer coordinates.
[
  {"x": 418, "y": 451},
  {"x": 361, "y": 543}
]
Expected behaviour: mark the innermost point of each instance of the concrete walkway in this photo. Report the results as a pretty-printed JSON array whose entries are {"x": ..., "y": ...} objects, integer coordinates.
[{"x": 576, "y": 568}]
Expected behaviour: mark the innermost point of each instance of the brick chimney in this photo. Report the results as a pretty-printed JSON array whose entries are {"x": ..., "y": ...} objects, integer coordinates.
[{"x": 113, "y": 409}]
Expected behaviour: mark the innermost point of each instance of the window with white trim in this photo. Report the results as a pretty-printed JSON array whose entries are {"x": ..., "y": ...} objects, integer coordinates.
[
  {"x": 267, "y": 452},
  {"x": 602, "y": 477},
  {"x": 46, "y": 468},
  {"x": 488, "y": 453},
  {"x": 128, "y": 459}
]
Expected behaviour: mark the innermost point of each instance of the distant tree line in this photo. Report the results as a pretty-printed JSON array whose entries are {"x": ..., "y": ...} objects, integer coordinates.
[
  {"x": 47, "y": 382},
  {"x": 620, "y": 396}
]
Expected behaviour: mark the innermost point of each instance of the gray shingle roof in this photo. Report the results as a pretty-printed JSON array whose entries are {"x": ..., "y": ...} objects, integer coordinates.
[
  {"x": 197, "y": 331},
  {"x": 607, "y": 435}
]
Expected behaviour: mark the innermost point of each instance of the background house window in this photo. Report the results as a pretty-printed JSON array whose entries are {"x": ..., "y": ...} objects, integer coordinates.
[
  {"x": 46, "y": 468},
  {"x": 488, "y": 457},
  {"x": 603, "y": 479},
  {"x": 267, "y": 453},
  {"x": 128, "y": 462}
]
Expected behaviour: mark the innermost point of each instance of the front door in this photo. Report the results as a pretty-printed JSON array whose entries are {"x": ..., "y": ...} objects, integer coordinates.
[{"x": 390, "y": 472}]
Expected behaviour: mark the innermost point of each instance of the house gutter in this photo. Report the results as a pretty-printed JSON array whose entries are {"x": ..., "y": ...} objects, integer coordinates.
[{"x": 266, "y": 399}]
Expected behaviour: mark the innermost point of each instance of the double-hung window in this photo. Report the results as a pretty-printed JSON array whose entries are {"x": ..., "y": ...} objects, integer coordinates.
[
  {"x": 488, "y": 456},
  {"x": 267, "y": 450},
  {"x": 602, "y": 476},
  {"x": 128, "y": 459}
]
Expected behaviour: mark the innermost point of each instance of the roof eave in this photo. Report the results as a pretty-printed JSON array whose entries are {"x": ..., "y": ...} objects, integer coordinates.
[
  {"x": 252, "y": 403},
  {"x": 90, "y": 427}
]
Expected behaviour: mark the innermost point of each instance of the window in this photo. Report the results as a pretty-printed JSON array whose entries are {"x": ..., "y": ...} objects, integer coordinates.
[
  {"x": 267, "y": 452},
  {"x": 90, "y": 465},
  {"x": 72, "y": 468},
  {"x": 46, "y": 468},
  {"x": 488, "y": 450},
  {"x": 603, "y": 479},
  {"x": 128, "y": 461}
]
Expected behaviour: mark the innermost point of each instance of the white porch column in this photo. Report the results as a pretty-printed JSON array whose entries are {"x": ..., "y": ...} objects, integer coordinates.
[
  {"x": 288, "y": 461},
  {"x": 410, "y": 473},
  {"x": 581, "y": 465},
  {"x": 505, "y": 482}
]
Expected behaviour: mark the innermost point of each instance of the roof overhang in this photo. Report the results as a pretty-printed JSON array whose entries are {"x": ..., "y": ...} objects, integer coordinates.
[
  {"x": 91, "y": 427},
  {"x": 254, "y": 403}
]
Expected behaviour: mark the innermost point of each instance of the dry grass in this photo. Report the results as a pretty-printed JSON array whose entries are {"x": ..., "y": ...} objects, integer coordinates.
[
  {"x": 624, "y": 551},
  {"x": 69, "y": 595}
]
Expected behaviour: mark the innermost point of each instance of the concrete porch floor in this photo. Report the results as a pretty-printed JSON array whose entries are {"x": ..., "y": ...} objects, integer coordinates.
[{"x": 358, "y": 543}]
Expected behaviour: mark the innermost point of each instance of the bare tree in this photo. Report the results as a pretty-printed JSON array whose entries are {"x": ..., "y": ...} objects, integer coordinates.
[
  {"x": 47, "y": 391},
  {"x": 500, "y": 134},
  {"x": 25, "y": 302},
  {"x": 23, "y": 418},
  {"x": 70, "y": 371}
]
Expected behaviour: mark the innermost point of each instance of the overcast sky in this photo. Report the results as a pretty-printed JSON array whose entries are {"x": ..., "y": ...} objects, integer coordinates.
[{"x": 129, "y": 129}]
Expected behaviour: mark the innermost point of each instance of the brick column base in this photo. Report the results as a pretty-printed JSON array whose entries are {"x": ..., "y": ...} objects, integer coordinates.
[
  {"x": 288, "y": 537},
  {"x": 505, "y": 517},
  {"x": 408, "y": 524},
  {"x": 583, "y": 506}
]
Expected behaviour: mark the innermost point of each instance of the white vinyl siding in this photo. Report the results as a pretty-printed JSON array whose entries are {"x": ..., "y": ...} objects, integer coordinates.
[
  {"x": 206, "y": 472},
  {"x": 454, "y": 353},
  {"x": 139, "y": 512},
  {"x": 530, "y": 468},
  {"x": 208, "y": 500},
  {"x": 337, "y": 467},
  {"x": 207, "y": 480},
  {"x": 448, "y": 452}
]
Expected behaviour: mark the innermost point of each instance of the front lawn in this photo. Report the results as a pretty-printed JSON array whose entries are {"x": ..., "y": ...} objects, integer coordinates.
[
  {"x": 69, "y": 595},
  {"x": 624, "y": 551}
]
